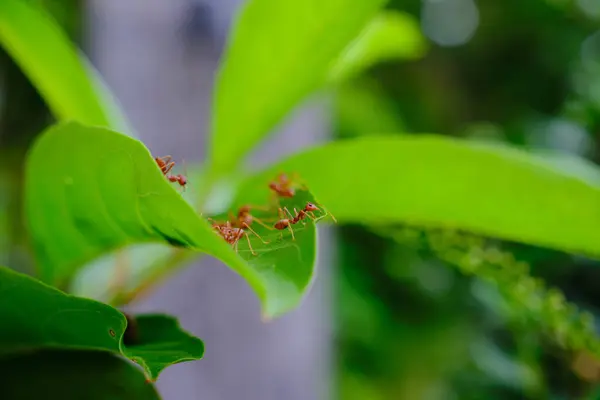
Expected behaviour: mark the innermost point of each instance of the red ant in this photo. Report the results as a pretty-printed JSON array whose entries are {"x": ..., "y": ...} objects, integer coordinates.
[
  {"x": 300, "y": 215},
  {"x": 244, "y": 218},
  {"x": 309, "y": 207},
  {"x": 180, "y": 179},
  {"x": 284, "y": 223},
  {"x": 232, "y": 235},
  {"x": 165, "y": 164},
  {"x": 283, "y": 186}
]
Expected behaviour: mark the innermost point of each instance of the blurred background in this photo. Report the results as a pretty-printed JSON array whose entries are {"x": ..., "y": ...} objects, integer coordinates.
[{"x": 390, "y": 316}]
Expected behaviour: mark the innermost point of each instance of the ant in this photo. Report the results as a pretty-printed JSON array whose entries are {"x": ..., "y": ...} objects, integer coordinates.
[
  {"x": 284, "y": 223},
  {"x": 300, "y": 215},
  {"x": 244, "y": 218},
  {"x": 232, "y": 235},
  {"x": 165, "y": 164},
  {"x": 283, "y": 186},
  {"x": 180, "y": 179}
]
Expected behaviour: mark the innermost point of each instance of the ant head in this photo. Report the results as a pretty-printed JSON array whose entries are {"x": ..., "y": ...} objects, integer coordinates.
[
  {"x": 182, "y": 180},
  {"x": 273, "y": 186},
  {"x": 311, "y": 207}
]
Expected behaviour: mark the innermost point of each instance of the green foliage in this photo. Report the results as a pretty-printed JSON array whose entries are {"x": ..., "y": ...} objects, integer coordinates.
[
  {"x": 529, "y": 300},
  {"x": 91, "y": 191},
  {"x": 54, "y": 65},
  {"x": 91, "y": 375},
  {"x": 47, "y": 318},
  {"x": 111, "y": 193},
  {"x": 273, "y": 62},
  {"x": 429, "y": 180},
  {"x": 389, "y": 36}
]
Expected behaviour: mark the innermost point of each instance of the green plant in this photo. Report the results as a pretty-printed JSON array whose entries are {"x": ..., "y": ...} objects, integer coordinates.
[{"x": 109, "y": 196}]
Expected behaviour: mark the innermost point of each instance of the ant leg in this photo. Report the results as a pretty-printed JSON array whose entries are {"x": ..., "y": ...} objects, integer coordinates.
[
  {"x": 256, "y": 234},
  {"x": 167, "y": 168},
  {"x": 304, "y": 214},
  {"x": 299, "y": 216},
  {"x": 182, "y": 182},
  {"x": 215, "y": 225},
  {"x": 280, "y": 213},
  {"x": 289, "y": 213},
  {"x": 331, "y": 215},
  {"x": 291, "y": 231},
  {"x": 249, "y": 245},
  {"x": 166, "y": 159},
  {"x": 262, "y": 223},
  {"x": 310, "y": 215}
]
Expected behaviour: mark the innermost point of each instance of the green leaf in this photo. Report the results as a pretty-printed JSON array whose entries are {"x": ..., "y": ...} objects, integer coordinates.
[
  {"x": 118, "y": 277},
  {"x": 389, "y": 36},
  {"x": 54, "y": 65},
  {"x": 110, "y": 193},
  {"x": 72, "y": 375},
  {"x": 36, "y": 316},
  {"x": 279, "y": 52},
  {"x": 158, "y": 341},
  {"x": 288, "y": 265},
  {"x": 436, "y": 181}
]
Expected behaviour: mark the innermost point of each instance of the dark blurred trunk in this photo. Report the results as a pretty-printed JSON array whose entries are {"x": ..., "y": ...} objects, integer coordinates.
[{"x": 159, "y": 57}]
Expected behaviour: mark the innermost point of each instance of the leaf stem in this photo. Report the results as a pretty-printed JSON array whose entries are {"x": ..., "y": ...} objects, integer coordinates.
[{"x": 159, "y": 271}]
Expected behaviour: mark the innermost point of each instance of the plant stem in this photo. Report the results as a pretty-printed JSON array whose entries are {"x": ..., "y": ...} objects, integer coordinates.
[{"x": 159, "y": 271}]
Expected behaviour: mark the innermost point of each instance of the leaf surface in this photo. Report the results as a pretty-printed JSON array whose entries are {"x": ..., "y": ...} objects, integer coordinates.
[{"x": 437, "y": 181}]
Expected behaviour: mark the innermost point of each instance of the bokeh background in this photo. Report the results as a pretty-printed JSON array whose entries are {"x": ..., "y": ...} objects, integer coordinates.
[{"x": 389, "y": 318}]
